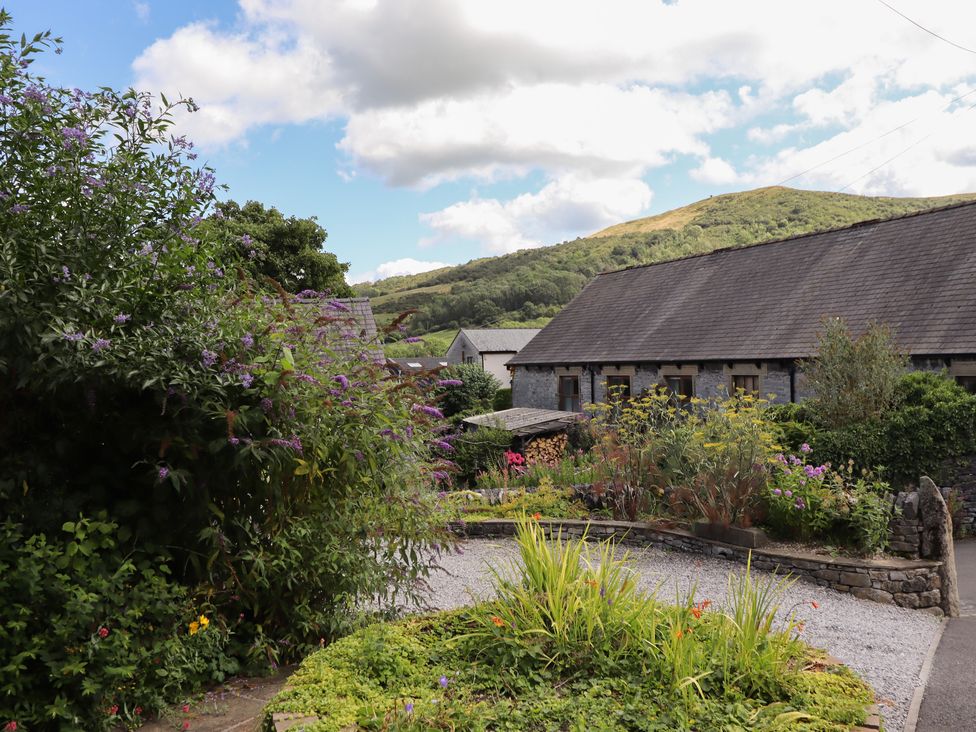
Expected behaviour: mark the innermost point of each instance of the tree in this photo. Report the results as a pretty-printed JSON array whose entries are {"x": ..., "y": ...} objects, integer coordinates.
[
  {"x": 289, "y": 250},
  {"x": 854, "y": 379},
  {"x": 466, "y": 389}
]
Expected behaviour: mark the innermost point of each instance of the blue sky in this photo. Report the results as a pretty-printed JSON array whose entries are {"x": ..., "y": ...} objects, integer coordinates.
[{"x": 436, "y": 131}]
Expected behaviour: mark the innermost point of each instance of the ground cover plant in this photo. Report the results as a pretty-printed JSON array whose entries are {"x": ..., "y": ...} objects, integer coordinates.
[
  {"x": 240, "y": 444},
  {"x": 571, "y": 643}
]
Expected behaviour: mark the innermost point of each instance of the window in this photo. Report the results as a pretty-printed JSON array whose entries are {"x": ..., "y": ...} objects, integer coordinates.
[
  {"x": 682, "y": 387},
  {"x": 469, "y": 359},
  {"x": 749, "y": 383},
  {"x": 618, "y": 387},
  {"x": 967, "y": 382},
  {"x": 569, "y": 394}
]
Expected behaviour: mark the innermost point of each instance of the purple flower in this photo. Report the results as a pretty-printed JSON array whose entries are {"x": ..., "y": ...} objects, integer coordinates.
[
  {"x": 247, "y": 380},
  {"x": 74, "y": 136},
  {"x": 443, "y": 682},
  {"x": 800, "y": 504},
  {"x": 794, "y": 460},
  {"x": 76, "y": 336},
  {"x": 209, "y": 357},
  {"x": 19, "y": 208},
  {"x": 248, "y": 340},
  {"x": 408, "y": 708},
  {"x": 101, "y": 344},
  {"x": 789, "y": 494},
  {"x": 439, "y": 475},
  {"x": 121, "y": 318},
  {"x": 340, "y": 306},
  {"x": 428, "y": 410},
  {"x": 35, "y": 93},
  {"x": 4, "y": 99},
  {"x": 805, "y": 448},
  {"x": 450, "y": 382},
  {"x": 266, "y": 405},
  {"x": 811, "y": 472},
  {"x": 445, "y": 446},
  {"x": 246, "y": 240},
  {"x": 777, "y": 492},
  {"x": 412, "y": 339},
  {"x": 163, "y": 472},
  {"x": 341, "y": 380}
]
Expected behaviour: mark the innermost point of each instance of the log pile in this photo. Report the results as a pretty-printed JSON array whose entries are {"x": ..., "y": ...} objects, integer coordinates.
[{"x": 547, "y": 449}]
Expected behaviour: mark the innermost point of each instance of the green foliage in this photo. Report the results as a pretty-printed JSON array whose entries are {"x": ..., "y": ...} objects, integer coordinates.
[
  {"x": 246, "y": 437},
  {"x": 479, "y": 450},
  {"x": 88, "y": 634},
  {"x": 531, "y": 285},
  {"x": 474, "y": 395},
  {"x": 571, "y": 643},
  {"x": 544, "y": 500},
  {"x": 854, "y": 379},
  {"x": 288, "y": 250},
  {"x": 575, "y": 469},
  {"x": 931, "y": 419},
  {"x": 503, "y": 400},
  {"x": 824, "y": 503}
]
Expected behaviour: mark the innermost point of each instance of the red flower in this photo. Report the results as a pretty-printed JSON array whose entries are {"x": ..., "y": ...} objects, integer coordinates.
[
  {"x": 186, "y": 709},
  {"x": 138, "y": 710},
  {"x": 10, "y": 727},
  {"x": 113, "y": 710},
  {"x": 537, "y": 515},
  {"x": 186, "y": 724},
  {"x": 814, "y": 605},
  {"x": 103, "y": 632}
]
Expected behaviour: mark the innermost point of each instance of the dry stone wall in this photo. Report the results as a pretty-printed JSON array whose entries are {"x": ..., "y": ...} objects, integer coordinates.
[{"x": 912, "y": 583}]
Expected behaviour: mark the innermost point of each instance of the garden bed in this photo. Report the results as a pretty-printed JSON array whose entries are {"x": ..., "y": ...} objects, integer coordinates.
[
  {"x": 571, "y": 643},
  {"x": 908, "y": 583}
]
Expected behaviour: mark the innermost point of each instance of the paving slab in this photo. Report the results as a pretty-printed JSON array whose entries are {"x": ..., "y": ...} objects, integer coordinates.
[{"x": 949, "y": 702}]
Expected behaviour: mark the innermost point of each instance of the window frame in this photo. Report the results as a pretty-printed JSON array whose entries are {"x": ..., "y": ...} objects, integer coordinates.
[
  {"x": 575, "y": 396},
  {"x": 613, "y": 392}
]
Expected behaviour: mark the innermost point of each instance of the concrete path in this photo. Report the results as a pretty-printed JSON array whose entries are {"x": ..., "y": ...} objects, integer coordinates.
[{"x": 950, "y": 701}]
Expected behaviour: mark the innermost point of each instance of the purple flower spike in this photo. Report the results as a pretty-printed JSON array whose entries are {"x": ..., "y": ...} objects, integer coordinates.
[
  {"x": 450, "y": 382},
  {"x": 430, "y": 411},
  {"x": 805, "y": 448},
  {"x": 74, "y": 337},
  {"x": 122, "y": 318},
  {"x": 412, "y": 339},
  {"x": 101, "y": 344},
  {"x": 163, "y": 472},
  {"x": 342, "y": 381}
]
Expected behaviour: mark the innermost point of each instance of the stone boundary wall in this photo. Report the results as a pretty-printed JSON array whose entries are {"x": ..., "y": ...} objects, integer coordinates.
[
  {"x": 911, "y": 583},
  {"x": 961, "y": 480}
]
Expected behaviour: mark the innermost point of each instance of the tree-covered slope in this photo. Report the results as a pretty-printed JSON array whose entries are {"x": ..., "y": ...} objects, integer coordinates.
[{"x": 536, "y": 283}]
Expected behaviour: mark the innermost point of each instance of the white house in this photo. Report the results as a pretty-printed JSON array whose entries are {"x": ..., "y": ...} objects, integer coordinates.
[{"x": 490, "y": 348}]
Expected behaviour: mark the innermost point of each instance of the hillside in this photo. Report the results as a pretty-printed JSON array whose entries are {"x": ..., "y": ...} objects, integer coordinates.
[{"x": 533, "y": 284}]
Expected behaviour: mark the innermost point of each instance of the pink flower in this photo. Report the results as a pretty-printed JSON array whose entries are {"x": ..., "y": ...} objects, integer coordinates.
[
  {"x": 805, "y": 448},
  {"x": 103, "y": 632}
]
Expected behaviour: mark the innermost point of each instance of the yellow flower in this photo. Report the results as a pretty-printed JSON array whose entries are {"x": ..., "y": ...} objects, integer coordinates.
[
  {"x": 194, "y": 627},
  {"x": 204, "y": 621}
]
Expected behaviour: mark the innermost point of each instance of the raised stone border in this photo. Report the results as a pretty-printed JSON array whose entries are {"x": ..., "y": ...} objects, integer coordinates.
[{"x": 911, "y": 583}]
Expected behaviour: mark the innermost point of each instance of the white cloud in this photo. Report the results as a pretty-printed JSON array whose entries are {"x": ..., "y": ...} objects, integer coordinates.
[
  {"x": 563, "y": 208},
  {"x": 405, "y": 266},
  {"x": 715, "y": 171},
  {"x": 442, "y": 90}
]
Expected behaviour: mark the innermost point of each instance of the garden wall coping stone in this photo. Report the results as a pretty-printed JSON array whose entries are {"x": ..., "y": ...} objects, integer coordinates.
[{"x": 912, "y": 583}]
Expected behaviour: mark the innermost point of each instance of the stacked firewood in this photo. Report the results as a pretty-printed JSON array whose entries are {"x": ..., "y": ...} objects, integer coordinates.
[{"x": 547, "y": 449}]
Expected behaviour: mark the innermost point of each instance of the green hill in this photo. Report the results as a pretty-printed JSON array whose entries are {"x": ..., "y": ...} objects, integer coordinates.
[{"x": 533, "y": 284}]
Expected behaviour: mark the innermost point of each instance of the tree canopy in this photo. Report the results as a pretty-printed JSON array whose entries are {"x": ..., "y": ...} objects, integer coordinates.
[{"x": 287, "y": 249}]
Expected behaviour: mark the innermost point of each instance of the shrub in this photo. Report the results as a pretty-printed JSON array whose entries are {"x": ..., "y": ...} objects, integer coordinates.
[
  {"x": 480, "y": 450},
  {"x": 475, "y": 394},
  {"x": 853, "y": 379},
  {"x": 245, "y": 433},
  {"x": 503, "y": 400},
  {"x": 92, "y": 638},
  {"x": 818, "y": 502}
]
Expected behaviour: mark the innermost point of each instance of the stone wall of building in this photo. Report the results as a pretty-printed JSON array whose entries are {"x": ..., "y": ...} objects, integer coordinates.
[{"x": 897, "y": 581}]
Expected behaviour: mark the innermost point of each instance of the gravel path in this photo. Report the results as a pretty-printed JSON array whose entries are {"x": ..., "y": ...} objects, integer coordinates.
[{"x": 883, "y": 643}]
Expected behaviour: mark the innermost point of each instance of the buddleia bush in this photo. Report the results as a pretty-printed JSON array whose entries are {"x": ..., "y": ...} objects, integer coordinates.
[{"x": 247, "y": 434}]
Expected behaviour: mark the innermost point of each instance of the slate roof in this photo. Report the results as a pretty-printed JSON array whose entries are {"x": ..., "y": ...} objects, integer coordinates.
[
  {"x": 916, "y": 273},
  {"x": 488, "y": 340},
  {"x": 524, "y": 421},
  {"x": 417, "y": 364},
  {"x": 353, "y": 326}
]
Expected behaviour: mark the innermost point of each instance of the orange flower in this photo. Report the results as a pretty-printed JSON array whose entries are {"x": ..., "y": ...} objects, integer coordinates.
[
  {"x": 678, "y": 634},
  {"x": 537, "y": 515},
  {"x": 815, "y": 605},
  {"x": 696, "y": 611},
  {"x": 800, "y": 627},
  {"x": 497, "y": 621},
  {"x": 705, "y": 604},
  {"x": 593, "y": 583}
]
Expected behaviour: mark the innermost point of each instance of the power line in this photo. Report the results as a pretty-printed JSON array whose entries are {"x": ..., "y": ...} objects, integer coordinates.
[
  {"x": 897, "y": 155},
  {"x": 873, "y": 140},
  {"x": 930, "y": 32}
]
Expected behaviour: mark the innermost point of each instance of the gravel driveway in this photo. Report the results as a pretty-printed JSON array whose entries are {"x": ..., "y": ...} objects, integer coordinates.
[{"x": 883, "y": 643}]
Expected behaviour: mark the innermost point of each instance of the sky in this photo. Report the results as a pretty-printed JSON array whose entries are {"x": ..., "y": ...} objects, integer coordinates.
[{"x": 429, "y": 132}]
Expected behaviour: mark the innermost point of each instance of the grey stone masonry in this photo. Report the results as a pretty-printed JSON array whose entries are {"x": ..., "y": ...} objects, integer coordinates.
[
  {"x": 912, "y": 583},
  {"x": 960, "y": 481}
]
